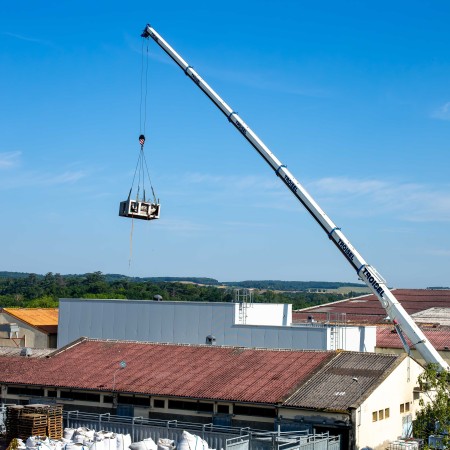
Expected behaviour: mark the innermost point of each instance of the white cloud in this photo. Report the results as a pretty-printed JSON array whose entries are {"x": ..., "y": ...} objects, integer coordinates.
[
  {"x": 9, "y": 159},
  {"x": 265, "y": 81},
  {"x": 33, "y": 179},
  {"x": 22, "y": 37},
  {"x": 64, "y": 178},
  {"x": 184, "y": 226},
  {"x": 443, "y": 112},
  {"x": 407, "y": 201},
  {"x": 232, "y": 182}
]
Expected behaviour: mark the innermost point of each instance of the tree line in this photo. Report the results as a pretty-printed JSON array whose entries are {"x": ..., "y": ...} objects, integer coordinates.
[{"x": 32, "y": 290}]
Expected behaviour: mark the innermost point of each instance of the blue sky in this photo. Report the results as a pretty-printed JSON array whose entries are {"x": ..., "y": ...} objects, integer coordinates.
[{"x": 354, "y": 97}]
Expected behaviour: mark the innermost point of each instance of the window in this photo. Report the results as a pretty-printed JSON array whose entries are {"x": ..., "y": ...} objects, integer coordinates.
[
  {"x": 51, "y": 393},
  {"x": 32, "y": 392},
  {"x": 133, "y": 400},
  {"x": 223, "y": 409},
  {"x": 191, "y": 406},
  {"x": 406, "y": 406},
  {"x": 386, "y": 413},
  {"x": 159, "y": 403},
  {"x": 82, "y": 396},
  {"x": 402, "y": 408},
  {"x": 205, "y": 407},
  {"x": 245, "y": 410},
  {"x": 180, "y": 404},
  {"x": 108, "y": 399},
  {"x": 380, "y": 414},
  {"x": 374, "y": 416}
]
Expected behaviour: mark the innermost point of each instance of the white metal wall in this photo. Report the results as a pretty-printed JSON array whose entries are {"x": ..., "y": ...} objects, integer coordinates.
[{"x": 190, "y": 323}]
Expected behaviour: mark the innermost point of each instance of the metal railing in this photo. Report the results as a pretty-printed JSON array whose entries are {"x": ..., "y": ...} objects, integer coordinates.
[{"x": 217, "y": 436}]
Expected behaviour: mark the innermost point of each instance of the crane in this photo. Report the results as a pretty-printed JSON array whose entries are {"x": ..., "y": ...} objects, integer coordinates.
[{"x": 403, "y": 323}]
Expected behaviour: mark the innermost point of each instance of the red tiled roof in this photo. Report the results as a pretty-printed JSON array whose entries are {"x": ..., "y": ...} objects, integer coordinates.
[
  {"x": 367, "y": 309},
  {"x": 439, "y": 337},
  {"x": 209, "y": 372}
]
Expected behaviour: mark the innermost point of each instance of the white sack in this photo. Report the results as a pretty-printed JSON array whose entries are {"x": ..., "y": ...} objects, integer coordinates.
[
  {"x": 123, "y": 441},
  {"x": 146, "y": 444},
  {"x": 190, "y": 441},
  {"x": 166, "y": 444},
  {"x": 68, "y": 433}
]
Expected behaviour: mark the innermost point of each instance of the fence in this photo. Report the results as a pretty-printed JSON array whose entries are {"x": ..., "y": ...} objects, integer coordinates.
[
  {"x": 217, "y": 437},
  {"x": 2, "y": 418}
]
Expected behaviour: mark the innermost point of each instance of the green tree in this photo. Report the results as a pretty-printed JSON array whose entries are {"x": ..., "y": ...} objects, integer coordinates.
[
  {"x": 46, "y": 301},
  {"x": 434, "y": 415}
]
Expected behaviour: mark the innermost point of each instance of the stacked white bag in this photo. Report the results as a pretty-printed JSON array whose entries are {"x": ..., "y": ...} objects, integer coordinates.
[
  {"x": 86, "y": 439},
  {"x": 190, "y": 441},
  {"x": 146, "y": 444}
]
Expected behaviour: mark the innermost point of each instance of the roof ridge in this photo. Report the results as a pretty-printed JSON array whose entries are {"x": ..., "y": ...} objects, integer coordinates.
[{"x": 175, "y": 344}]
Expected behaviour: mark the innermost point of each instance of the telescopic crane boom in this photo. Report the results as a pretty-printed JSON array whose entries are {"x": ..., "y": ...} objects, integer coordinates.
[{"x": 400, "y": 318}]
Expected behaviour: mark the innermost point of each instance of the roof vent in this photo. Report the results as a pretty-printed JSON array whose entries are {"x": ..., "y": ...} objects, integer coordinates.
[
  {"x": 210, "y": 339},
  {"x": 26, "y": 351},
  {"x": 13, "y": 330},
  {"x": 157, "y": 298}
]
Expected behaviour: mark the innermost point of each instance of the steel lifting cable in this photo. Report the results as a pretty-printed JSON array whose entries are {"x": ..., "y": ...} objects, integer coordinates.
[{"x": 141, "y": 165}]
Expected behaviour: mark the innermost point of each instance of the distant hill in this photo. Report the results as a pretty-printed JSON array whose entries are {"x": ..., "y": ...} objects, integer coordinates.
[
  {"x": 274, "y": 285},
  {"x": 4, "y": 274},
  {"x": 278, "y": 285},
  {"x": 196, "y": 280}
]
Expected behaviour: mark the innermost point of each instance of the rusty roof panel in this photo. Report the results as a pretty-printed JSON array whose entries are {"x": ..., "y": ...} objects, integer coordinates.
[
  {"x": 367, "y": 308},
  {"x": 209, "y": 372},
  {"x": 344, "y": 382},
  {"x": 439, "y": 338},
  {"x": 16, "y": 351}
]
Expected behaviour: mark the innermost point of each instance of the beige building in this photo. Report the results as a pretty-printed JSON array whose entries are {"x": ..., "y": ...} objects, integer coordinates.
[{"x": 28, "y": 327}]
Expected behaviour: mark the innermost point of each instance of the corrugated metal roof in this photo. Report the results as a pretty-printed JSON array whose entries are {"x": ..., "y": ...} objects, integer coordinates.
[
  {"x": 433, "y": 315},
  {"x": 439, "y": 337},
  {"x": 367, "y": 309},
  {"x": 209, "y": 372},
  {"x": 345, "y": 381},
  {"x": 35, "y": 352},
  {"x": 37, "y": 317}
]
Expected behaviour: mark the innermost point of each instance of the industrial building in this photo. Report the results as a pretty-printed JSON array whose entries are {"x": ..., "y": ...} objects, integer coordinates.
[
  {"x": 368, "y": 399},
  {"x": 28, "y": 327},
  {"x": 429, "y": 308},
  {"x": 242, "y": 324},
  {"x": 426, "y": 306}
]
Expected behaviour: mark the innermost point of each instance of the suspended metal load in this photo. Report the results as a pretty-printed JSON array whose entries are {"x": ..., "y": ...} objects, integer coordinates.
[{"x": 140, "y": 208}]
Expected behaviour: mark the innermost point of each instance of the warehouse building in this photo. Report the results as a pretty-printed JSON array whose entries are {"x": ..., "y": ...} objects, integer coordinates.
[
  {"x": 429, "y": 308},
  {"x": 368, "y": 399},
  {"x": 243, "y": 324}
]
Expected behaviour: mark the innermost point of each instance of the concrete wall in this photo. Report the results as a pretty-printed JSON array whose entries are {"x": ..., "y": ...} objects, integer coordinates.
[
  {"x": 28, "y": 336},
  {"x": 192, "y": 322},
  {"x": 262, "y": 314}
]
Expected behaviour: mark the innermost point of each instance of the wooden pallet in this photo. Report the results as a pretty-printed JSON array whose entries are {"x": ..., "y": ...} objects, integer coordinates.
[
  {"x": 55, "y": 427},
  {"x": 34, "y": 420}
]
